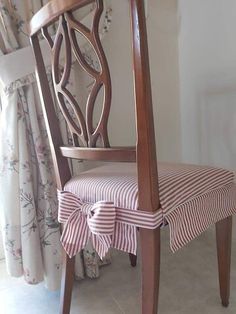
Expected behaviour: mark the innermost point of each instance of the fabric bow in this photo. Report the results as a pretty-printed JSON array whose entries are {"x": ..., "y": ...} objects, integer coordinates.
[{"x": 83, "y": 221}]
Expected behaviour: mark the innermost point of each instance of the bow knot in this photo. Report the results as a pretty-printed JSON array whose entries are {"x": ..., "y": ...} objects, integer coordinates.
[{"x": 83, "y": 221}]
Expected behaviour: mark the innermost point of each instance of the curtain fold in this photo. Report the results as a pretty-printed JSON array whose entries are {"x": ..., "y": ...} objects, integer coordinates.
[{"x": 28, "y": 204}]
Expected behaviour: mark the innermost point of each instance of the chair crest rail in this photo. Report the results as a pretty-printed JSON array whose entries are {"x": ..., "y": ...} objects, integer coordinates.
[{"x": 52, "y": 10}]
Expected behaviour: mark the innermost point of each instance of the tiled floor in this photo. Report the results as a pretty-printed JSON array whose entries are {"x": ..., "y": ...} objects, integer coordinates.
[{"x": 189, "y": 285}]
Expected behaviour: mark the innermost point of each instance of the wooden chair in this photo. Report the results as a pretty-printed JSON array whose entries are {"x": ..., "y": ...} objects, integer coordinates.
[{"x": 144, "y": 154}]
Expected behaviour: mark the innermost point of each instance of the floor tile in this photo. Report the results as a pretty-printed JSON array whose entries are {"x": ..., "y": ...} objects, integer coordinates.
[{"x": 189, "y": 285}]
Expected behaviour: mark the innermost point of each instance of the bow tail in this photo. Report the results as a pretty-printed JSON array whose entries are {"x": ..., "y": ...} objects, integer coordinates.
[
  {"x": 102, "y": 244},
  {"x": 75, "y": 234}
]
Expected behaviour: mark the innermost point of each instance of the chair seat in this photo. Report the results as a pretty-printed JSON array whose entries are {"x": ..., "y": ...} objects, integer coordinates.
[{"x": 192, "y": 197}]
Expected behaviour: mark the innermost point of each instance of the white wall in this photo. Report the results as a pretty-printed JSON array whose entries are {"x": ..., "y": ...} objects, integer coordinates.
[
  {"x": 1, "y": 247},
  {"x": 207, "y": 52},
  {"x": 163, "y": 40}
]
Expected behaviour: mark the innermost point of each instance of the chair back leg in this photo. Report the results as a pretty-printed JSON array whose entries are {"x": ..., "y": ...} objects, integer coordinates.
[
  {"x": 150, "y": 250},
  {"x": 224, "y": 239},
  {"x": 133, "y": 260}
]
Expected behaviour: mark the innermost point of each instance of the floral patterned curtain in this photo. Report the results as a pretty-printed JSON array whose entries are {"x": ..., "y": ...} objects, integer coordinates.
[{"x": 28, "y": 205}]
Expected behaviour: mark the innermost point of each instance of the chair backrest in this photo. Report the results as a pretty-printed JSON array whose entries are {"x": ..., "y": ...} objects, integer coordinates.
[{"x": 83, "y": 132}]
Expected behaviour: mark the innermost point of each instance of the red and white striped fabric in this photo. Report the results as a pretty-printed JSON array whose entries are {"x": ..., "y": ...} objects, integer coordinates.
[
  {"x": 84, "y": 221},
  {"x": 100, "y": 223},
  {"x": 192, "y": 198}
]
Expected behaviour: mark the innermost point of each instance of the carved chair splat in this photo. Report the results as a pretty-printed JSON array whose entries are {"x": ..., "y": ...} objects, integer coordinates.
[{"x": 86, "y": 136}]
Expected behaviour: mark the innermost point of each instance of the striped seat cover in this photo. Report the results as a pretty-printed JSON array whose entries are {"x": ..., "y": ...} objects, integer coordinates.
[{"x": 192, "y": 197}]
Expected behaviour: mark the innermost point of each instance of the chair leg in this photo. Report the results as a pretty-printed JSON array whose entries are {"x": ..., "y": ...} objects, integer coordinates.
[
  {"x": 224, "y": 239},
  {"x": 133, "y": 260},
  {"x": 67, "y": 283},
  {"x": 150, "y": 250}
]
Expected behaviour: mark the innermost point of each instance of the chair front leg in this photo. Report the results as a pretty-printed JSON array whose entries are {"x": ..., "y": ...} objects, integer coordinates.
[
  {"x": 150, "y": 250},
  {"x": 67, "y": 283},
  {"x": 224, "y": 239}
]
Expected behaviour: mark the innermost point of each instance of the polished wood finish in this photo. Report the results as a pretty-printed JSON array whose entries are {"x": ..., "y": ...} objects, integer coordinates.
[
  {"x": 103, "y": 154},
  {"x": 61, "y": 165},
  {"x": 81, "y": 127},
  {"x": 146, "y": 158},
  {"x": 67, "y": 283},
  {"x": 88, "y": 136},
  {"x": 83, "y": 133},
  {"x": 133, "y": 260},
  {"x": 146, "y": 147},
  {"x": 52, "y": 10},
  {"x": 224, "y": 240},
  {"x": 101, "y": 77},
  {"x": 150, "y": 246}
]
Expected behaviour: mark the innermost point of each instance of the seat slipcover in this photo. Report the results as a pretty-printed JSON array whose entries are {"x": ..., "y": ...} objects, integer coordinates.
[{"x": 192, "y": 197}]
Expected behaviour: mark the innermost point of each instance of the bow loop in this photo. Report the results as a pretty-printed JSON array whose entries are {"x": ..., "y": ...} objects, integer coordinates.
[{"x": 84, "y": 221}]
